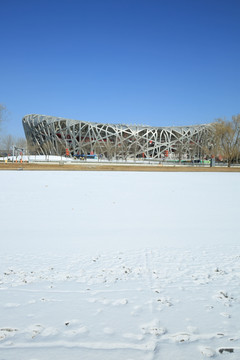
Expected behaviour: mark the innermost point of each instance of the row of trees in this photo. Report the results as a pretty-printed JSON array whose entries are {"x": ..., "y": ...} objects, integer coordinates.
[
  {"x": 226, "y": 139},
  {"x": 7, "y": 141}
]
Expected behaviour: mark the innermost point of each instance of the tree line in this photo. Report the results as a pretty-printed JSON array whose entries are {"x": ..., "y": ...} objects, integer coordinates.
[
  {"x": 7, "y": 141},
  {"x": 226, "y": 139}
]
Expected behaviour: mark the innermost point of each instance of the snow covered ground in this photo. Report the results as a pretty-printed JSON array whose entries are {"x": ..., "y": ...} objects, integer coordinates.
[{"x": 119, "y": 265}]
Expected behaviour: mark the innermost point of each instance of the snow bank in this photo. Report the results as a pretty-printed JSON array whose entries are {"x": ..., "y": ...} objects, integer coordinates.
[{"x": 37, "y": 158}]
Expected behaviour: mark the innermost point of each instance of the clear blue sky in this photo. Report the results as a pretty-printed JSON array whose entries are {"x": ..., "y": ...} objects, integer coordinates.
[{"x": 155, "y": 62}]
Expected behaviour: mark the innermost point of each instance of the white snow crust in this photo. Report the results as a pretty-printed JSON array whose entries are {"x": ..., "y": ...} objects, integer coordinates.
[{"x": 119, "y": 265}]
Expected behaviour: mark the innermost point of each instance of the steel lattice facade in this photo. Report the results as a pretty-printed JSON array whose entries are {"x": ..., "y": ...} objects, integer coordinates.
[{"x": 53, "y": 135}]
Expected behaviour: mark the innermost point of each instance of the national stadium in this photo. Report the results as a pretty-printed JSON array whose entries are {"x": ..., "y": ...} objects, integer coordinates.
[{"x": 49, "y": 135}]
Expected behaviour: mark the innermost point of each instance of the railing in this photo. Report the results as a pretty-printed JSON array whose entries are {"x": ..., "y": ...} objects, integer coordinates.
[{"x": 142, "y": 161}]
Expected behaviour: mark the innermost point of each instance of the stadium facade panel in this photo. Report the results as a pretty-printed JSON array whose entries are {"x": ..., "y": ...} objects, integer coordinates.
[{"x": 49, "y": 135}]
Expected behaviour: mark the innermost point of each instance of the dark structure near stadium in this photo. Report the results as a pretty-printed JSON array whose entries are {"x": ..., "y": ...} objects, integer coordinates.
[{"x": 51, "y": 135}]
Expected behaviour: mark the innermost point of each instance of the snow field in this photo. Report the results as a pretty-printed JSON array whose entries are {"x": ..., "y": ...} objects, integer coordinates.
[{"x": 119, "y": 265}]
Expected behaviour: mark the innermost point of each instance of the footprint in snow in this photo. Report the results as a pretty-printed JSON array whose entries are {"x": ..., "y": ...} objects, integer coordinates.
[
  {"x": 34, "y": 330},
  {"x": 49, "y": 331},
  {"x": 153, "y": 328},
  {"x": 181, "y": 337},
  {"x": 120, "y": 302},
  {"x": 225, "y": 314},
  {"x": 7, "y": 332},
  {"x": 207, "y": 351}
]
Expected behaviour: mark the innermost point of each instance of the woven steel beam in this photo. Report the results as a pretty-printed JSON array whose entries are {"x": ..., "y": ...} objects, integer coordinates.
[{"x": 53, "y": 135}]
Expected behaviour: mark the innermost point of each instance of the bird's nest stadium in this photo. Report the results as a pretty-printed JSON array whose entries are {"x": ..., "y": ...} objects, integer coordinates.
[{"x": 49, "y": 135}]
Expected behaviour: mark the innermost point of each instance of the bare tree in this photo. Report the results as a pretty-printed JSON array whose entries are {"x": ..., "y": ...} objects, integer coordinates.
[
  {"x": 99, "y": 149},
  {"x": 227, "y": 139},
  {"x": 110, "y": 149},
  {"x": 33, "y": 149},
  {"x": 179, "y": 151},
  {"x": 21, "y": 142},
  {"x": 7, "y": 143}
]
